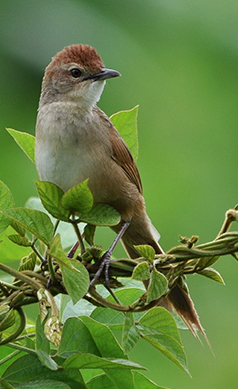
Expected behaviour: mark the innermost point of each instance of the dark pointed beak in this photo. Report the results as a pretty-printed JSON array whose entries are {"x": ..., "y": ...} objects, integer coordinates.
[{"x": 103, "y": 75}]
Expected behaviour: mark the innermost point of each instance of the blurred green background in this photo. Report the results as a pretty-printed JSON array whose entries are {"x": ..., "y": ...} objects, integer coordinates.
[{"x": 179, "y": 62}]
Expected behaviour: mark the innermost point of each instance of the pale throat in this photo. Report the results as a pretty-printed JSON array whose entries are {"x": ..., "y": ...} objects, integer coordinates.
[{"x": 86, "y": 95}]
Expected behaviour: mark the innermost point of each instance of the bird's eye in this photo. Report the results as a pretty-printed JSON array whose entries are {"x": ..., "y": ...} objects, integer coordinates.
[{"x": 75, "y": 73}]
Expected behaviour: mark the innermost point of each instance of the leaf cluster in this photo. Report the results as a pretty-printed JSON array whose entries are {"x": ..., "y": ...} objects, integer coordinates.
[{"x": 72, "y": 344}]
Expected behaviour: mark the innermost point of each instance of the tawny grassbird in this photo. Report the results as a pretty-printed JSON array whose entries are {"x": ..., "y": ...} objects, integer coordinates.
[{"x": 75, "y": 140}]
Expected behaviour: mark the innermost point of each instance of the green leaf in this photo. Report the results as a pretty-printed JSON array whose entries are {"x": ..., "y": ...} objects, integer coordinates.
[
  {"x": 98, "y": 345},
  {"x": 126, "y": 123},
  {"x": 51, "y": 196},
  {"x": 90, "y": 361},
  {"x": 46, "y": 360},
  {"x": 6, "y": 201},
  {"x": 89, "y": 336},
  {"x": 89, "y": 232},
  {"x": 43, "y": 346},
  {"x": 28, "y": 263},
  {"x": 44, "y": 384},
  {"x": 36, "y": 222},
  {"x": 20, "y": 240},
  {"x": 158, "y": 327},
  {"x": 207, "y": 261},
  {"x": 100, "y": 338},
  {"x": 76, "y": 280},
  {"x": 79, "y": 198},
  {"x": 146, "y": 251},
  {"x": 41, "y": 342},
  {"x": 28, "y": 368},
  {"x": 158, "y": 285},
  {"x": 67, "y": 233},
  {"x": 81, "y": 341},
  {"x": 131, "y": 334},
  {"x": 161, "y": 320},
  {"x": 122, "y": 380},
  {"x": 141, "y": 272},
  {"x": 25, "y": 141},
  {"x": 212, "y": 274},
  {"x": 9, "y": 251},
  {"x": 101, "y": 215},
  {"x": 110, "y": 317},
  {"x": 56, "y": 251},
  {"x": 101, "y": 381},
  {"x": 142, "y": 382},
  {"x": 19, "y": 229},
  {"x": 6, "y": 385},
  {"x": 68, "y": 309}
]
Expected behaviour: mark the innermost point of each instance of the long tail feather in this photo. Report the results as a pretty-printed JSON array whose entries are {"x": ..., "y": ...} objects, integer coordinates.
[{"x": 178, "y": 299}]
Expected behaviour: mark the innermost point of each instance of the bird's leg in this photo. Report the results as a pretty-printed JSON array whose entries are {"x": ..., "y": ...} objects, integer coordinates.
[{"x": 105, "y": 260}]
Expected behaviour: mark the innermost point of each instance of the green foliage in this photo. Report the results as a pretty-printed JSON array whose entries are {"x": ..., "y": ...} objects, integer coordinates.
[
  {"x": 78, "y": 199},
  {"x": 101, "y": 215},
  {"x": 6, "y": 201},
  {"x": 51, "y": 196},
  {"x": 146, "y": 251},
  {"x": 76, "y": 280},
  {"x": 158, "y": 286},
  {"x": 43, "y": 347},
  {"x": 36, "y": 222},
  {"x": 74, "y": 332},
  {"x": 126, "y": 123},
  {"x": 25, "y": 141},
  {"x": 141, "y": 271},
  {"x": 159, "y": 329}
]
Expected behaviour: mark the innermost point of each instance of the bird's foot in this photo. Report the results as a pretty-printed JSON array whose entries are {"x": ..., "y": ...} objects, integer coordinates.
[
  {"x": 104, "y": 265},
  {"x": 106, "y": 258}
]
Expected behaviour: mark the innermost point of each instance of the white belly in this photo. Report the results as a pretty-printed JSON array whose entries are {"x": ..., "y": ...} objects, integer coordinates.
[{"x": 63, "y": 155}]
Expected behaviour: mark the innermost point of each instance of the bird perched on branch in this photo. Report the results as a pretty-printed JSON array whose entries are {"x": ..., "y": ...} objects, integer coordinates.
[{"x": 75, "y": 140}]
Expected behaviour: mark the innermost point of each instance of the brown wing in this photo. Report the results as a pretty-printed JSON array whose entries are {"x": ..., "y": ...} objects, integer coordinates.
[
  {"x": 123, "y": 157},
  {"x": 120, "y": 152}
]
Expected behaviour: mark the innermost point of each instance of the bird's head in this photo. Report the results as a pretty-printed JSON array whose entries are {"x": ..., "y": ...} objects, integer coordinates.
[{"x": 75, "y": 74}]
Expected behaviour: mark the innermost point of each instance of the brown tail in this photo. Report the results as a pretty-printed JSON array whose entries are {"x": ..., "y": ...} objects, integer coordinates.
[{"x": 177, "y": 299}]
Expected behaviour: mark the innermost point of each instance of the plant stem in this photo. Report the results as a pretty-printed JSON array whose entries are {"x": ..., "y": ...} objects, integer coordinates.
[
  {"x": 21, "y": 276},
  {"x": 18, "y": 330},
  {"x": 10, "y": 356},
  {"x": 78, "y": 233},
  {"x": 51, "y": 269},
  {"x": 231, "y": 216},
  {"x": 22, "y": 348},
  {"x": 56, "y": 226},
  {"x": 36, "y": 251}
]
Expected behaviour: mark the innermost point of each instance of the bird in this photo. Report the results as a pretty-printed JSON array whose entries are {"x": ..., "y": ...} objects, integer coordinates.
[{"x": 75, "y": 141}]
